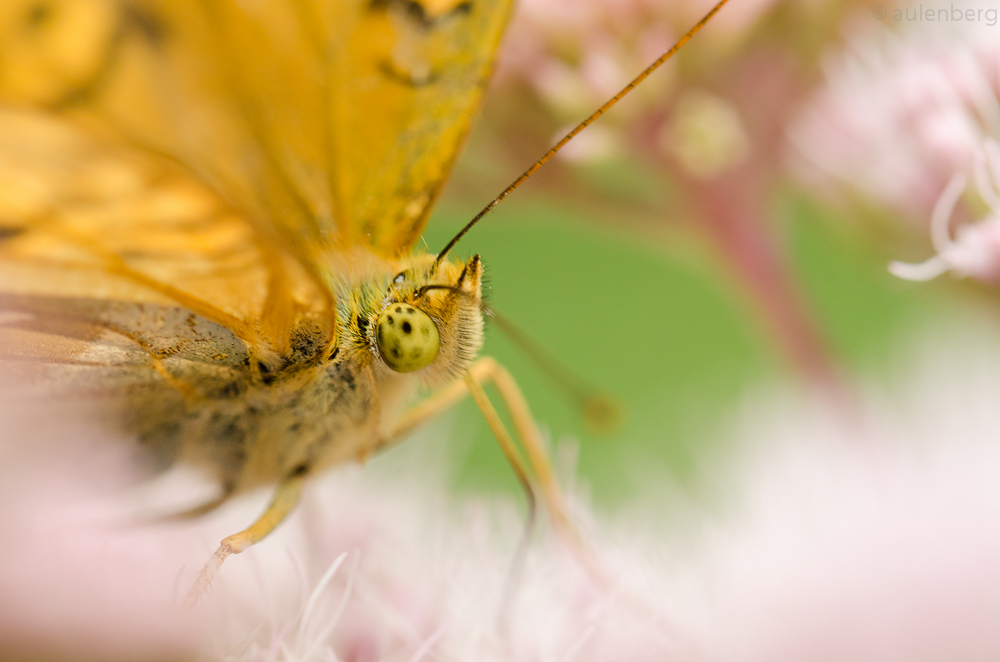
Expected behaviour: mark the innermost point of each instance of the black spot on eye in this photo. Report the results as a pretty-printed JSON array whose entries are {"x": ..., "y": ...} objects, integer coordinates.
[
  {"x": 426, "y": 332},
  {"x": 398, "y": 309},
  {"x": 415, "y": 354},
  {"x": 406, "y": 327},
  {"x": 38, "y": 15},
  {"x": 390, "y": 320},
  {"x": 409, "y": 311},
  {"x": 395, "y": 352}
]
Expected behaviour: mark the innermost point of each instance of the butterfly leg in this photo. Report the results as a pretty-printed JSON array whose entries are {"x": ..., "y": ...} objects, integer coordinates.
[
  {"x": 285, "y": 499},
  {"x": 482, "y": 370},
  {"x": 487, "y": 369},
  {"x": 444, "y": 400}
]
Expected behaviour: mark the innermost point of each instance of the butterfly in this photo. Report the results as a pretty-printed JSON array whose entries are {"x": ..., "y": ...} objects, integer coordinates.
[{"x": 208, "y": 219}]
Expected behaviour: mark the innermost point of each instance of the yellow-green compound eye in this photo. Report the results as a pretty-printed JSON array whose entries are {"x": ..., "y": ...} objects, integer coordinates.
[{"x": 407, "y": 338}]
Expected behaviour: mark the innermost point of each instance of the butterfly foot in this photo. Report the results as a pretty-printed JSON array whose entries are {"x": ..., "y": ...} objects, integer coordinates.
[
  {"x": 203, "y": 582},
  {"x": 285, "y": 499}
]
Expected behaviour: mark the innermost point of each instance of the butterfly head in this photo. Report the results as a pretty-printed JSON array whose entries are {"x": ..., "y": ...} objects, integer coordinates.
[{"x": 431, "y": 319}]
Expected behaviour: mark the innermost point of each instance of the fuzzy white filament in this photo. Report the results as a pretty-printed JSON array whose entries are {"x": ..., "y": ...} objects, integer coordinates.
[
  {"x": 315, "y": 596},
  {"x": 940, "y": 236}
]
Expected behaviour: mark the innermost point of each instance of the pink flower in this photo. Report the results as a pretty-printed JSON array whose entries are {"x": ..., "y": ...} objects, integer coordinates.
[
  {"x": 975, "y": 251},
  {"x": 900, "y": 112},
  {"x": 714, "y": 141},
  {"x": 78, "y": 579},
  {"x": 577, "y": 55},
  {"x": 869, "y": 541}
]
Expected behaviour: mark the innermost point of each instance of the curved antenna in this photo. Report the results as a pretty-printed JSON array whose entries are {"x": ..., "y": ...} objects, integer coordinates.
[{"x": 580, "y": 127}]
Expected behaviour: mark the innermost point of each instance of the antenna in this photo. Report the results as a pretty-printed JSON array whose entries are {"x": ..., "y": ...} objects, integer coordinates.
[{"x": 580, "y": 127}]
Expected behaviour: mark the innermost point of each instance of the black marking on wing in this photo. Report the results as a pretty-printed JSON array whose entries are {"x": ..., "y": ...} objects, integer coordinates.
[
  {"x": 342, "y": 378},
  {"x": 306, "y": 342},
  {"x": 227, "y": 435},
  {"x": 7, "y": 232},
  {"x": 161, "y": 441},
  {"x": 132, "y": 21},
  {"x": 37, "y": 16},
  {"x": 146, "y": 23},
  {"x": 269, "y": 375},
  {"x": 415, "y": 12},
  {"x": 78, "y": 318},
  {"x": 233, "y": 389}
]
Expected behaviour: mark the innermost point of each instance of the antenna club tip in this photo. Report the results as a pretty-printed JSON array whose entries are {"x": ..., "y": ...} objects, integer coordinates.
[{"x": 603, "y": 413}]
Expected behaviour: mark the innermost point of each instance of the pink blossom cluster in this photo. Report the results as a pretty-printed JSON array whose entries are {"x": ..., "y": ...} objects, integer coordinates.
[
  {"x": 901, "y": 111},
  {"x": 975, "y": 250},
  {"x": 826, "y": 539},
  {"x": 577, "y": 55},
  {"x": 908, "y": 116}
]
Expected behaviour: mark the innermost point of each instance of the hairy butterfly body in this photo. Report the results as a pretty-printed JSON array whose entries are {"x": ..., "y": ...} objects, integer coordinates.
[{"x": 208, "y": 210}]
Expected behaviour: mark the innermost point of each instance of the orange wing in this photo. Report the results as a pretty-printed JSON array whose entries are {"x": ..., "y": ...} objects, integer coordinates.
[
  {"x": 209, "y": 155},
  {"x": 85, "y": 218},
  {"x": 320, "y": 121}
]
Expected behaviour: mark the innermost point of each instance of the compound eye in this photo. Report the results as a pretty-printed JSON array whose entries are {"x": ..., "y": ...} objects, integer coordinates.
[{"x": 407, "y": 337}]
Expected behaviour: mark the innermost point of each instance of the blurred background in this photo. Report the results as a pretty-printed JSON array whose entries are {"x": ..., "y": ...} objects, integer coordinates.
[
  {"x": 730, "y": 224},
  {"x": 714, "y": 256}
]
